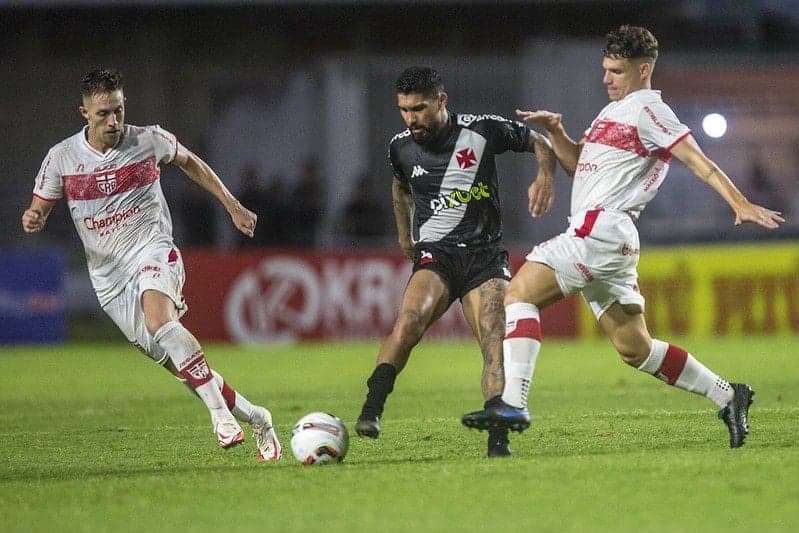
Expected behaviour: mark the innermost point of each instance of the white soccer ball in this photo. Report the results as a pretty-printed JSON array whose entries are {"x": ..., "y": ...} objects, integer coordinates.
[{"x": 319, "y": 438}]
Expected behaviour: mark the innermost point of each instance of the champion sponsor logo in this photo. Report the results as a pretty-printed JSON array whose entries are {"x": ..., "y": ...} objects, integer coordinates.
[
  {"x": 114, "y": 219},
  {"x": 418, "y": 171},
  {"x": 587, "y": 167},
  {"x": 466, "y": 158}
]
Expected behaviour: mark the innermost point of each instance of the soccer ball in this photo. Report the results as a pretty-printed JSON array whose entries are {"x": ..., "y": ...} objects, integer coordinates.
[{"x": 319, "y": 438}]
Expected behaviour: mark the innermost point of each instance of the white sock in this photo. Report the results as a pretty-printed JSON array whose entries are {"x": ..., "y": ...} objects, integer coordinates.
[
  {"x": 187, "y": 356},
  {"x": 241, "y": 408},
  {"x": 520, "y": 351},
  {"x": 677, "y": 367}
]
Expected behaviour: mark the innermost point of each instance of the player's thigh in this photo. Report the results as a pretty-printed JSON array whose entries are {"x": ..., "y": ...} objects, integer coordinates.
[
  {"x": 484, "y": 309},
  {"x": 535, "y": 283},
  {"x": 160, "y": 280},
  {"x": 126, "y": 312},
  {"x": 426, "y": 296}
]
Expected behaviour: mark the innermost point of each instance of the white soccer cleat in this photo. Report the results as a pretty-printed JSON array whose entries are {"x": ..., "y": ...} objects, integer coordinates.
[
  {"x": 266, "y": 442},
  {"x": 229, "y": 432}
]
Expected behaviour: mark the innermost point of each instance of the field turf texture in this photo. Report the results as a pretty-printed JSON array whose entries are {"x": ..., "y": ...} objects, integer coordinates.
[{"x": 96, "y": 438}]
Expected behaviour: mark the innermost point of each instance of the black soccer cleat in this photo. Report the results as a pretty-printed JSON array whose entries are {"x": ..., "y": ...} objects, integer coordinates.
[
  {"x": 368, "y": 426},
  {"x": 498, "y": 444},
  {"x": 735, "y": 414},
  {"x": 502, "y": 416}
]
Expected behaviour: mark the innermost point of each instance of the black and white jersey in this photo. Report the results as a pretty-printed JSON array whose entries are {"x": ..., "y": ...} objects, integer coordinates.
[{"x": 454, "y": 181}]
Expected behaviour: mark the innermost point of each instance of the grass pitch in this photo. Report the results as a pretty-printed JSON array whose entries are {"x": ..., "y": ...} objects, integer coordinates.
[{"x": 96, "y": 438}]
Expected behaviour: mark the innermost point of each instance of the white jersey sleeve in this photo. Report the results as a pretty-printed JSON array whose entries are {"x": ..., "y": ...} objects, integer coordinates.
[
  {"x": 49, "y": 183},
  {"x": 659, "y": 127},
  {"x": 165, "y": 144}
]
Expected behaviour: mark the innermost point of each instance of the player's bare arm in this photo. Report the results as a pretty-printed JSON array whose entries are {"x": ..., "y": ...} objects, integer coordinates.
[
  {"x": 541, "y": 193},
  {"x": 566, "y": 149},
  {"x": 689, "y": 152},
  {"x": 403, "y": 214},
  {"x": 203, "y": 175},
  {"x": 35, "y": 217}
]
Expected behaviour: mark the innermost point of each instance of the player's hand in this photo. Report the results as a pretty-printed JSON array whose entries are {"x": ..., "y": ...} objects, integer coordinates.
[
  {"x": 759, "y": 215},
  {"x": 244, "y": 219},
  {"x": 546, "y": 119},
  {"x": 540, "y": 195},
  {"x": 32, "y": 221}
]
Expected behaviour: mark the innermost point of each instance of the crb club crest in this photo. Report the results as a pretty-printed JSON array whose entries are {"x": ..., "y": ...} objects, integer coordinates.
[{"x": 106, "y": 179}]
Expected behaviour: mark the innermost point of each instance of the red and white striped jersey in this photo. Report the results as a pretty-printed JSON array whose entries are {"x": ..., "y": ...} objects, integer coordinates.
[
  {"x": 114, "y": 199},
  {"x": 626, "y": 154}
]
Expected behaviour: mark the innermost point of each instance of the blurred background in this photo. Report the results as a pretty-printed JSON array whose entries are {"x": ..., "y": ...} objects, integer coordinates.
[{"x": 293, "y": 104}]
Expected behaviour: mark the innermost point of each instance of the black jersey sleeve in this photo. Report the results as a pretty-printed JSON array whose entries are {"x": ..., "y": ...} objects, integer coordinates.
[
  {"x": 503, "y": 134},
  {"x": 393, "y": 158}
]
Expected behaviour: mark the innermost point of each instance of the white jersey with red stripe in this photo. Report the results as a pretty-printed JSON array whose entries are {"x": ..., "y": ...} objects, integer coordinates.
[
  {"x": 114, "y": 199},
  {"x": 626, "y": 154}
]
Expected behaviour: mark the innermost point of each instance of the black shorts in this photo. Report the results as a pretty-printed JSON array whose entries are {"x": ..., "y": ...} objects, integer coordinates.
[{"x": 462, "y": 268}]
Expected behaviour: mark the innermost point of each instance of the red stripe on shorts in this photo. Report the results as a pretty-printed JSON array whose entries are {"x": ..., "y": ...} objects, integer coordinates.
[
  {"x": 527, "y": 328},
  {"x": 588, "y": 223},
  {"x": 672, "y": 365}
]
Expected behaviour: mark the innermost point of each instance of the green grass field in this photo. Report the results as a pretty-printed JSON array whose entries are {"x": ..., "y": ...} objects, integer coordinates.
[{"x": 96, "y": 438}]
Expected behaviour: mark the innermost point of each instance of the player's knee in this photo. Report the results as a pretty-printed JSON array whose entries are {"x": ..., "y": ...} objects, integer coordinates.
[
  {"x": 632, "y": 352},
  {"x": 410, "y": 327},
  {"x": 153, "y": 324},
  {"x": 513, "y": 294}
]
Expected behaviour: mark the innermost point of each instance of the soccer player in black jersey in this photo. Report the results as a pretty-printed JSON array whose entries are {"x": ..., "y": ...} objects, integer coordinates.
[{"x": 445, "y": 189}]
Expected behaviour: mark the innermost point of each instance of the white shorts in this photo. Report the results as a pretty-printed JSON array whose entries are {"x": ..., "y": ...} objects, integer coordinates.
[
  {"x": 598, "y": 255},
  {"x": 161, "y": 269}
]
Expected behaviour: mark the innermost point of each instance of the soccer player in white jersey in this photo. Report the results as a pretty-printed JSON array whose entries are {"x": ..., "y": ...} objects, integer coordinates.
[
  {"x": 108, "y": 173},
  {"x": 618, "y": 166}
]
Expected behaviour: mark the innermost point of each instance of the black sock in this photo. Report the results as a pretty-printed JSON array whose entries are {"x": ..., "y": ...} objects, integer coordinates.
[{"x": 380, "y": 383}]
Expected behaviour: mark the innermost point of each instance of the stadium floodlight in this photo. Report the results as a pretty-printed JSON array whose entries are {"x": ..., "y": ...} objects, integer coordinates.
[{"x": 714, "y": 125}]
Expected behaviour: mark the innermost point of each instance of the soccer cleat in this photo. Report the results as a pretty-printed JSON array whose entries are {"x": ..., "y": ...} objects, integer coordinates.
[
  {"x": 228, "y": 432},
  {"x": 735, "y": 414},
  {"x": 498, "y": 445},
  {"x": 500, "y": 416},
  {"x": 368, "y": 426},
  {"x": 268, "y": 447}
]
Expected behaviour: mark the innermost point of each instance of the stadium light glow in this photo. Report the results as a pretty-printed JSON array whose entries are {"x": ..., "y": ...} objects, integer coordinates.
[{"x": 714, "y": 125}]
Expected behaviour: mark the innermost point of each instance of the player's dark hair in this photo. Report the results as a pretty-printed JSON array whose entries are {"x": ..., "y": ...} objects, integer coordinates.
[
  {"x": 104, "y": 80},
  {"x": 420, "y": 80},
  {"x": 631, "y": 42}
]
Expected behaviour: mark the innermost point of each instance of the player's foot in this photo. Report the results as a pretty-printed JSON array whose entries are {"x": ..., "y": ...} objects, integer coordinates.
[
  {"x": 266, "y": 442},
  {"x": 368, "y": 426},
  {"x": 735, "y": 414},
  {"x": 498, "y": 444},
  {"x": 229, "y": 432},
  {"x": 500, "y": 416}
]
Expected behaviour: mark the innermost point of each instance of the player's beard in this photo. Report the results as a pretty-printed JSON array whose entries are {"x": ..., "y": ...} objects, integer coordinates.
[{"x": 428, "y": 136}]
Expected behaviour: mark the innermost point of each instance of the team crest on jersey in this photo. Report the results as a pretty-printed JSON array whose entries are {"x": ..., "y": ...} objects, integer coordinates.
[
  {"x": 466, "y": 158},
  {"x": 106, "y": 178}
]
